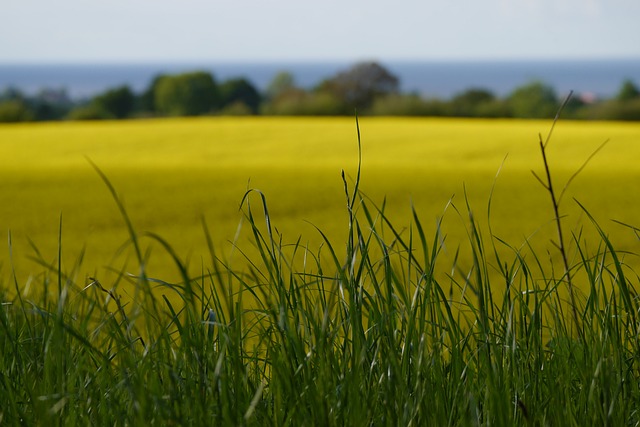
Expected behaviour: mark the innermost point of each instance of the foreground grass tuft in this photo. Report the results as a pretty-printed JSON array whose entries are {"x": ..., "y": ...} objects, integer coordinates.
[{"x": 360, "y": 332}]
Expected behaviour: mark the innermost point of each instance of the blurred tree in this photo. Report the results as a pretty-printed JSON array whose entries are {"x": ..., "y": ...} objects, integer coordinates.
[
  {"x": 50, "y": 104},
  {"x": 470, "y": 103},
  {"x": 575, "y": 108},
  {"x": 361, "y": 84},
  {"x": 628, "y": 91},
  {"x": 614, "y": 109},
  {"x": 118, "y": 102},
  {"x": 188, "y": 94},
  {"x": 281, "y": 83},
  {"x": 628, "y": 110},
  {"x": 236, "y": 91},
  {"x": 146, "y": 101},
  {"x": 11, "y": 94},
  {"x": 534, "y": 100}
]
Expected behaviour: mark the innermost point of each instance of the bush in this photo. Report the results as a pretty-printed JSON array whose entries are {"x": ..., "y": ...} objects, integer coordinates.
[
  {"x": 90, "y": 112},
  {"x": 13, "y": 111},
  {"x": 399, "y": 105},
  {"x": 300, "y": 103},
  {"x": 237, "y": 108},
  {"x": 617, "y": 110}
]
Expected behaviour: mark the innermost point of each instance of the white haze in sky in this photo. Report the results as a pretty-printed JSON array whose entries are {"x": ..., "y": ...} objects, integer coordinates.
[{"x": 276, "y": 30}]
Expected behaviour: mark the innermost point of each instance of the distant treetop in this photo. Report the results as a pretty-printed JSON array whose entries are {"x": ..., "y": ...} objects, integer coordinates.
[{"x": 361, "y": 84}]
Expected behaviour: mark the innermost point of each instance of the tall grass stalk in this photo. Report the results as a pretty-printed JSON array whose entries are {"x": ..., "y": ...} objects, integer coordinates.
[
  {"x": 360, "y": 332},
  {"x": 547, "y": 183}
]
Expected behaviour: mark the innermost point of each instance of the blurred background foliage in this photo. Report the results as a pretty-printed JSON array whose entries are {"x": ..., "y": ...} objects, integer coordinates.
[{"x": 366, "y": 87}]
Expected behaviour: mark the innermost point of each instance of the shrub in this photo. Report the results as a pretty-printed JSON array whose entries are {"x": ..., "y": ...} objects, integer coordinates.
[
  {"x": 90, "y": 111},
  {"x": 615, "y": 110},
  {"x": 237, "y": 108},
  {"x": 15, "y": 110},
  {"x": 297, "y": 102}
]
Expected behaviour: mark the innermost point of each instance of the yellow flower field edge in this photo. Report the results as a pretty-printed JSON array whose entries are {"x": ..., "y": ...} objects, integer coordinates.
[{"x": 172, "y": 174}]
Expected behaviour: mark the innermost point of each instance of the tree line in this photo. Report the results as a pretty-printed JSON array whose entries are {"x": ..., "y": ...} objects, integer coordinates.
[{"x": 367, "y": 87}]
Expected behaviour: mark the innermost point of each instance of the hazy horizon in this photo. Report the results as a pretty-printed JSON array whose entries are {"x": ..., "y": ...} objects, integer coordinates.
[
  {"x": 429, "y": 78},
  {"x": 311, "y": 61}
]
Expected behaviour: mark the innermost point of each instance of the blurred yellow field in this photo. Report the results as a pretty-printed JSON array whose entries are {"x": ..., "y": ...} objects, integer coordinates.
[{"x": 173, "y": 173}]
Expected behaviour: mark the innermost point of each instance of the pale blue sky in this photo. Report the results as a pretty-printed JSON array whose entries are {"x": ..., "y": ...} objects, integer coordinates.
[{"x": 301, "y": 30}]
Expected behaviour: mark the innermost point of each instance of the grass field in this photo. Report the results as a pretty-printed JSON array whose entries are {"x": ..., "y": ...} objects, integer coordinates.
[
  {"x": 393, "y": 321},
  {"x": 174, "y": 173}
]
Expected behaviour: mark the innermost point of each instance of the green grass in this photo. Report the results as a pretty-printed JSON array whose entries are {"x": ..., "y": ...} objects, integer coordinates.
[{"x": 359, "y": 331}]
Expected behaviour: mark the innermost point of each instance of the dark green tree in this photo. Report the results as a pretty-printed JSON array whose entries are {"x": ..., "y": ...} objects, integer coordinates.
[
  {"x": 470, "y": 103},
  {"x": 188, "y": 94},
  {"x": 534, "y": 100},
  {"x": 628, "y": 91},
  {"x": 51, "y": 104},
  {"x": 118, "y": 102},
  {"x": 359, "y": 86},
  {"x": 12, "y": 94},
  {"x": 47, "y": 104},
  {"x": 240, "y": 91},
  {"x": 146, "y": 101}
]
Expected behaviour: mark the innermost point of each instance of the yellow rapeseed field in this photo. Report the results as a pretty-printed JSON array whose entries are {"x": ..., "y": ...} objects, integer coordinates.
[{"x": 173, "y": 173}]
